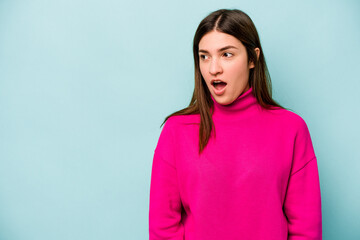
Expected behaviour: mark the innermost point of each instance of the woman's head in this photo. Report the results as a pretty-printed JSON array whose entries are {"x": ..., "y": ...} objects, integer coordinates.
[
  {"x": 224, "y": 66},
  {"x": 240, "y": 66},
  {"x": 236, "y": 67}
]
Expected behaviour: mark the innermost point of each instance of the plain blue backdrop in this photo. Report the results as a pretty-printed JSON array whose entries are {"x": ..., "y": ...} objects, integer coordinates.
[{"x": 85, "y": 85}]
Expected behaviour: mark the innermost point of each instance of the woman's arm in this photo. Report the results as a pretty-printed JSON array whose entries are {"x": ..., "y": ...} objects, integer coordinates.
[
  {"x": 165, "y": 204},
  {"x": 302, "y": 204}
]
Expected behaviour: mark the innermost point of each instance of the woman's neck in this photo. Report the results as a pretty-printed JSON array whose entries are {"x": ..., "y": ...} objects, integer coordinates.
[{"x": 242, "y": 106}]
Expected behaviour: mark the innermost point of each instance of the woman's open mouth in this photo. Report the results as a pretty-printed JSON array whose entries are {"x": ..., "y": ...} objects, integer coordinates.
[{"x": 219, "y": 86}]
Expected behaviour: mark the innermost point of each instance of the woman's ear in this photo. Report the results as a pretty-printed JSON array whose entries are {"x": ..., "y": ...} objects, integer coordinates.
[{"x": 252, "y": 65}]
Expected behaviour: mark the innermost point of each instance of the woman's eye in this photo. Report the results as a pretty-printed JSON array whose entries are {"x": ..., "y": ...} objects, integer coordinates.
[
  {"x": 228, "y": 54},
  {"x": 202, "y": 56}
]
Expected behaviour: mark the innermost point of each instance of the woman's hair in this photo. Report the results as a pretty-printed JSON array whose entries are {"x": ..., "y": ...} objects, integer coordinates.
[{"x": 238, "y": 24}]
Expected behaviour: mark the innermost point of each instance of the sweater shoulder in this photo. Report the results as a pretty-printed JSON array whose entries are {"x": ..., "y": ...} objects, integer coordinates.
[
  {"x": 289, "y": 118},
  {"x": 178, "y": 120},
  {"x": 172, "y": 127}
]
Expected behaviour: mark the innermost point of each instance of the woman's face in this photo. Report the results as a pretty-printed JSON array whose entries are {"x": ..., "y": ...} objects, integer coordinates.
[{"x": 223, "y": 58}]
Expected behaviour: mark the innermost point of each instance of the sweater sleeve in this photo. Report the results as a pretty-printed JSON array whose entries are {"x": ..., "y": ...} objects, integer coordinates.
[
  {"x": 165, "y": 203},
  {"x": 302, "y": 205}
]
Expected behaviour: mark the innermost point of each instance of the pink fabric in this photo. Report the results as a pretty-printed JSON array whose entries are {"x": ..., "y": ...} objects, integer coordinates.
[{"x": 257, "y": 178}]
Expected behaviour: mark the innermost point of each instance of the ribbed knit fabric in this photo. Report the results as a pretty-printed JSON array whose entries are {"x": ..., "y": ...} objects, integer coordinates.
[{"x": 257, "y": 178}]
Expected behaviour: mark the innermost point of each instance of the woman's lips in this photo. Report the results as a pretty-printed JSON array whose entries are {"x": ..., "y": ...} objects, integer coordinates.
[{"x": 219, "y": 88}]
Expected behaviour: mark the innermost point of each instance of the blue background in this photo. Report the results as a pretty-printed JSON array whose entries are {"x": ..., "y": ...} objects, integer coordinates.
[{"x": 85, "y": 85}]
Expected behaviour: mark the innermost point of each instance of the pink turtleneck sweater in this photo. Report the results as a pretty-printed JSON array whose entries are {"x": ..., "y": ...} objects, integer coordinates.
[{"x": 257, "y": 178}]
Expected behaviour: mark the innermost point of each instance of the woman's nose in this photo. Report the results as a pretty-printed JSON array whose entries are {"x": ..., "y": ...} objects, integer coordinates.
[{"x": 215, "y": 67}]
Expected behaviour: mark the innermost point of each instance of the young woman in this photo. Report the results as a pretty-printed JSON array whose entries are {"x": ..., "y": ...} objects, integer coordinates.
[{"x": 234, "y": 164}]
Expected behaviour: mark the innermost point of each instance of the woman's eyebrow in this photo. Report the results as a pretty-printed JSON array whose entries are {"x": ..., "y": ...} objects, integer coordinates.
[{"x": 219, "y": 50}]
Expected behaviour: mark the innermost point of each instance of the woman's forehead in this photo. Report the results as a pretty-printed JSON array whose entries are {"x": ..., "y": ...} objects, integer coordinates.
[{"x": 218, "y": 41}]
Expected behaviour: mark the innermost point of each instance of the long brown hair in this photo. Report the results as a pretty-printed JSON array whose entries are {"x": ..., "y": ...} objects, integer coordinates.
[{"x": 238, "y": 24}]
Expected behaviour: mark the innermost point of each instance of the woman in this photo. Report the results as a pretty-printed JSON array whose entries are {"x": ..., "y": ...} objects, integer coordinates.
[{"x": 234, "y": 164}]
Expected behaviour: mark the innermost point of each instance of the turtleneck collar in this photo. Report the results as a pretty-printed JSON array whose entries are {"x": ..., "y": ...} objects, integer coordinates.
[{"x": 243, "y": 105}]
